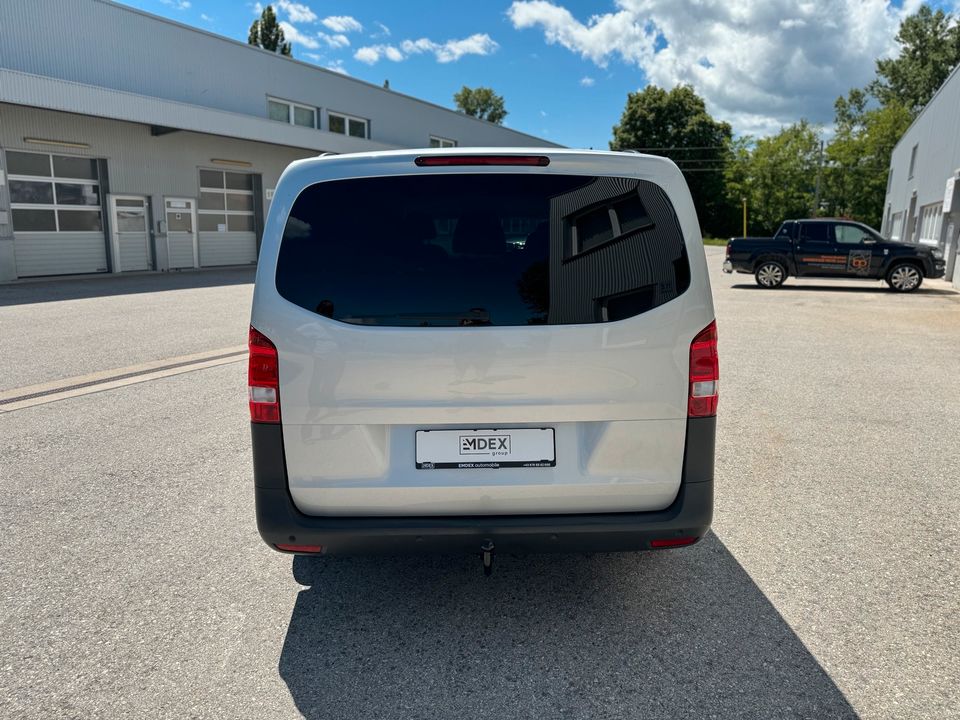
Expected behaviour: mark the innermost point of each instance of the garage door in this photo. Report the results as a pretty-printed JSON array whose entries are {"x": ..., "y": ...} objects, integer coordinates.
[
  {"x": 56, "y": 212},
  {"x": 226, "y": 218}
]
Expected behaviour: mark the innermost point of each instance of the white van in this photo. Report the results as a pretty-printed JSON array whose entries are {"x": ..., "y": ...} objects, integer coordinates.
[{"x": 479, "y": 349}]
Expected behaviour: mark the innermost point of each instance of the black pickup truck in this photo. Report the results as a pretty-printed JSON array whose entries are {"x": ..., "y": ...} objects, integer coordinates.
[{"x": 832, "y": 249}]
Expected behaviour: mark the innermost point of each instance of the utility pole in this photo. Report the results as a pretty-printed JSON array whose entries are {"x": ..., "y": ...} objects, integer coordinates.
[
  {"x": 816, "y": 193},
  {"x": 744, "y": 201}
]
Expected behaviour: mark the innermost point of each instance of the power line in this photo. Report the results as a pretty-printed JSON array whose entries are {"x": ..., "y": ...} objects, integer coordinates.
[{"x": 691, "y": 147}]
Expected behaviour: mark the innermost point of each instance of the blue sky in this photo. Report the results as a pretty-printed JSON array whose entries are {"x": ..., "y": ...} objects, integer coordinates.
[{"x": 565, "y": 67}]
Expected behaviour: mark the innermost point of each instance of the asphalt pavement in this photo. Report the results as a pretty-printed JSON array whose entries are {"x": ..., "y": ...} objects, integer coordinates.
[{"x": 134, "y": 583}]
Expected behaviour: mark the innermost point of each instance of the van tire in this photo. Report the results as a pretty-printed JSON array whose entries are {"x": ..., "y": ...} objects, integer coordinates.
[
  {"x": 770, "y": 274},
  {"x": 904, "y": 277}
]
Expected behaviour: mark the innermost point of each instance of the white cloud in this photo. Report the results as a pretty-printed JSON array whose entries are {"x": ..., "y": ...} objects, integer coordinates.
[
  {"x": 335, "y": 41},
  {"x": 543, "y": 113},
  {"x": 337, "y": 66},
  {"x": 371, "y": 54},
  {"x": 452, "y": 50},
  {"x": 257, "y": 8},
  {"x": 342, "y": 24},
  {"x": 293, "y": 35},
  {"x": 205, "y": 17},
  {"x": 296, "y": 12},
  {"x": 385, "y": 31},
  {"x": 759, "y": 64},
  {"x": 587, "y": 81},
  {"x": 177, "y": 4}
]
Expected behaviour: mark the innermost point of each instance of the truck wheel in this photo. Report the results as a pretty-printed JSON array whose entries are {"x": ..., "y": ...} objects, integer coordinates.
[
  {"x": 904, "y": 277},
  {"x": 770, "y": 274}
]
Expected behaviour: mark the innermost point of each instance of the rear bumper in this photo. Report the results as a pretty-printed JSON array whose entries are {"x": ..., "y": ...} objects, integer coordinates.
[{"x": 280, "y": 522}]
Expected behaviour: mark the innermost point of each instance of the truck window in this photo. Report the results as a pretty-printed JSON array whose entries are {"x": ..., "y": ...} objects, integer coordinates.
[
  {"x": 851, "y": 234},
  {"x": 816, "y": 232}
]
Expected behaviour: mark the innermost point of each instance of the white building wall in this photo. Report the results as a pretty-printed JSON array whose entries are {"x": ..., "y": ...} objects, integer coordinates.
[
  {"x": 102, "y": 44},
  {"x": 935, "y": 136},
  {"x": 138, "y": 164}
]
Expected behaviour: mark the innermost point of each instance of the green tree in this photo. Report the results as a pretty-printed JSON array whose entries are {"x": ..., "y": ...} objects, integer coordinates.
[
  {"x": 858, "y": 156},
  {"x": 777, "y": 175},
  {"x": 929, "y": 49},
  {"x": 265, "y": 32},
  {"x": 481, "y": 102},
  {"x": 676, "y": 124}
]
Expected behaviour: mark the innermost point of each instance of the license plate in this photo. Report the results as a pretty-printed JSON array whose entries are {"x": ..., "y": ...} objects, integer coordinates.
[{"x": 485, "y": 449}]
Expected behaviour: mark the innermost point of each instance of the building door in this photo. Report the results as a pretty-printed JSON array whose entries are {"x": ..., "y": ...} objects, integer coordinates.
[
  {"x": 182, "y": 233},
  {"x": 227, "y": 219},
  {"x": 57, "y": 213},
  {"x": 130, "y": 233}
]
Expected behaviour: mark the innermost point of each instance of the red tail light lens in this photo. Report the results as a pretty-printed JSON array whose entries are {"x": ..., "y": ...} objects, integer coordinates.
[
  {"x": 299, "y": 548},
  {"x": 448, "y": 160},
  {"x": 672, "y": 542},
  {"x": 704, "y": 373},
  {"x": 263, "y": 379}
]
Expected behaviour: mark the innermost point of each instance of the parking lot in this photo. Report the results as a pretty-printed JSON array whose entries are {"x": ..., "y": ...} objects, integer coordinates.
[{"x": 135, "y": 585}]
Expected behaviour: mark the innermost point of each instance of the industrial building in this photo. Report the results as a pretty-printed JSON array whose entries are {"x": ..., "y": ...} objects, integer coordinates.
[
  {"x": 129, "y": 142},
  {"x": 923, "y": 191}
]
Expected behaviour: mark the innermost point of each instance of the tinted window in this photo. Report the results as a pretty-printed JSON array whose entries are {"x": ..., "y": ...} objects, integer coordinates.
[
  {"x": 35, "y": 193},
  {"x": 19, "y": 163},
  {"x": 816, "y": 232},
  {"x": 33, "y": 220},
  {"x": 444, "y": 250},
  {"x": 79, "y": 220},
  {"x": 74, "y": 167}
]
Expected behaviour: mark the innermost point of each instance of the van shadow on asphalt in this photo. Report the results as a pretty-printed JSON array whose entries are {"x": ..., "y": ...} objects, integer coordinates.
[{"x": 682, "y": 633}]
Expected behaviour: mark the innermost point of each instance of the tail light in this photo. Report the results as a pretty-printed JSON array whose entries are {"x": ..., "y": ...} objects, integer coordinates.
[
  {"x": 263, "y": 379},
  {"x": 704, "y": 373}
]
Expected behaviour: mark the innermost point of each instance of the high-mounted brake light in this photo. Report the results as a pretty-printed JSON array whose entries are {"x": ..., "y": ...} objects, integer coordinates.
[
  {"x": 448, "y": 160},
  {"x": 263, "y": 379},
  {"x": 704, "y": 373}
]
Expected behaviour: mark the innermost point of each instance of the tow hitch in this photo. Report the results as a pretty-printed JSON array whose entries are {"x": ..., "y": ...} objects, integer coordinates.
[{"x": 486, "y": 556}]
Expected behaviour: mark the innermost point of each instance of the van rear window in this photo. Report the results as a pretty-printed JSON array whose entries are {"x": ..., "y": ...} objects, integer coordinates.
[{"x": 461, "y": 250}]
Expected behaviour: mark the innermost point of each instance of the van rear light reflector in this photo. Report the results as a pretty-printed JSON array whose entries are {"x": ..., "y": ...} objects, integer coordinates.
[
  {"x": 449, "y": 160},
  {"x": 672, "y": 542},
  {"x": 263, "y": 378},
  {"x": 704, "y": 373},
  {"x": 299, "y": 548}
]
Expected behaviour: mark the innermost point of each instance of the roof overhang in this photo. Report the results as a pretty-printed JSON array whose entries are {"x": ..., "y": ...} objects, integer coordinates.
[{"x": 37, "y": 91}]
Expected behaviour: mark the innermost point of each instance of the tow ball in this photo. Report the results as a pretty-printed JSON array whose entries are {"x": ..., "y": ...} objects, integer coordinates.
[{"x": 486, "y": 556}]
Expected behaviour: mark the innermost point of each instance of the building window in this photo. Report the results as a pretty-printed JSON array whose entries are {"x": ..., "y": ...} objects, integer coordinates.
[
  {"x": 346, "y": 125},
  {"x": 291, "y": 113},
  {"x": 439, "y": 142},
  {"x": 54, "y": 193},
  {"x": 931, "y": 222},
  {"x": 913, "y": 162},
  {"x": 226, "y": 201}
]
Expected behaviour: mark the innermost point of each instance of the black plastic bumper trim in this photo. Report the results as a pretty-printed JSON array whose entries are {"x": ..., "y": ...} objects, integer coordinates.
[{"x": 279, "y": 520}]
